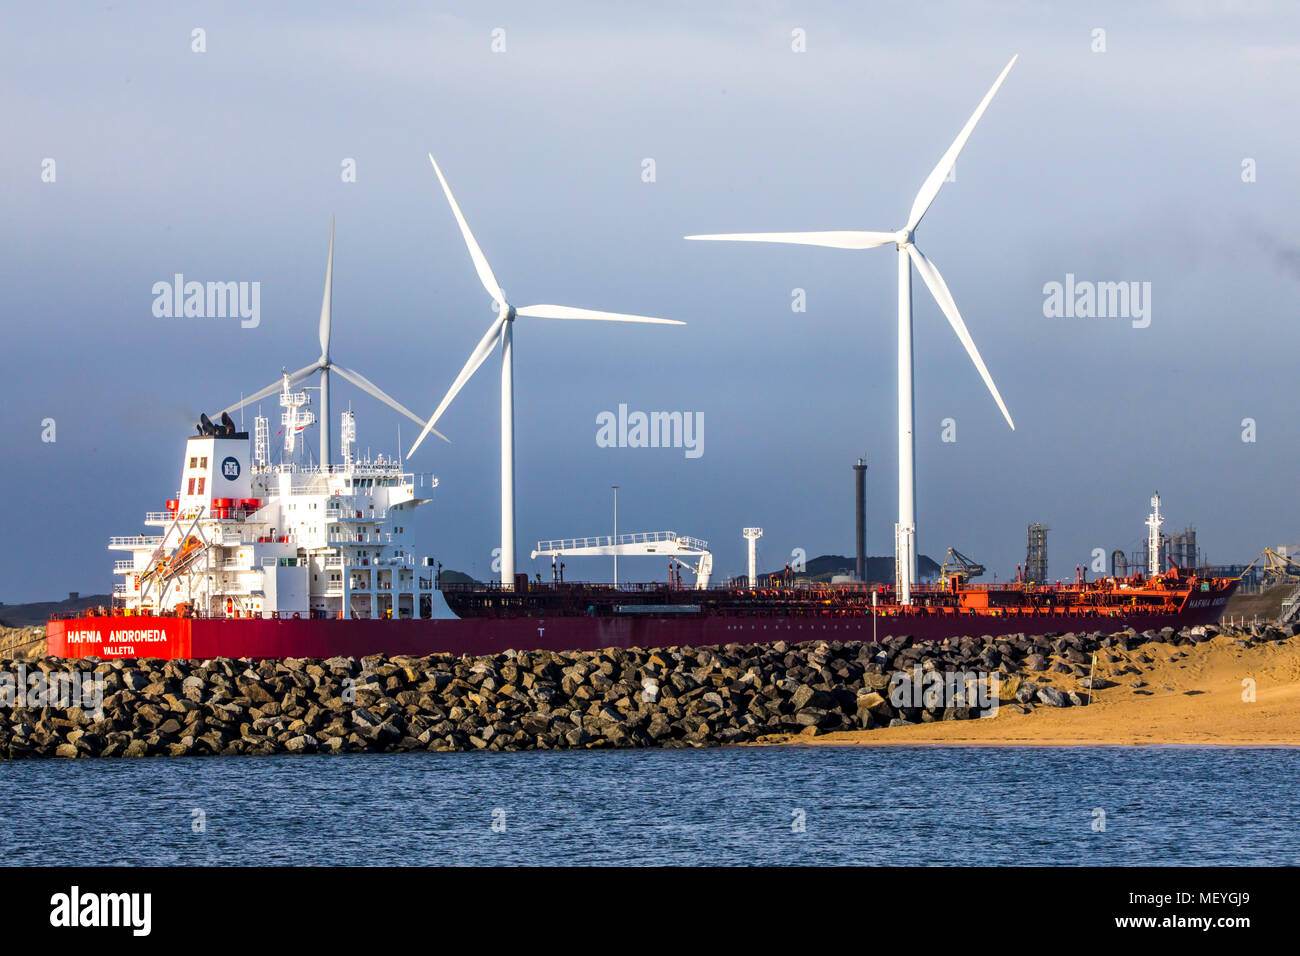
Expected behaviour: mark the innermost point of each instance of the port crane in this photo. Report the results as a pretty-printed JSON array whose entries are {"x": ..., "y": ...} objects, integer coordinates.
[{"x": 957, "y": 565}]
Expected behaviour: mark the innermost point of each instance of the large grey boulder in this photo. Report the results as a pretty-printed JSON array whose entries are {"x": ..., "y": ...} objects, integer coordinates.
[{"x": 1052, "y": 697}]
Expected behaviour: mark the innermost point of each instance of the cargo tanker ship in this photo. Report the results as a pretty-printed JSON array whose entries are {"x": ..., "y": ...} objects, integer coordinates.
[
  {"x": 290, "y": 559},
  {"x": 255, "y": 559}
]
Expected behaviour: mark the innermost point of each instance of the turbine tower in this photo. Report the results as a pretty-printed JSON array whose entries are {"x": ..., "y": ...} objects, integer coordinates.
[
  {"x": 501, "y": 332},
  {"x": 908, "y": 255},
  {"x": 323, "y": 365}
]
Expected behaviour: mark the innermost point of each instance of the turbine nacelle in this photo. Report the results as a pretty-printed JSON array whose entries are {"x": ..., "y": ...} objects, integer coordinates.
[{"x": 502, "y": 307}]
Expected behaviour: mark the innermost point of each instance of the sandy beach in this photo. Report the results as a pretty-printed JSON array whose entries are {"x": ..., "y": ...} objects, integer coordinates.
[{"x": 1192, "y": 696}]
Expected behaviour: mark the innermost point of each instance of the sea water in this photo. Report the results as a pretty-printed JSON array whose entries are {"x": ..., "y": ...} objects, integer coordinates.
[{"x": 870, "y": 806}]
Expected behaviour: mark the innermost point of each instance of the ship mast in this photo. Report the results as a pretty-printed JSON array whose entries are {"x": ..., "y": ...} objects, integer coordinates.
[{"x": 1154, "y": 521}]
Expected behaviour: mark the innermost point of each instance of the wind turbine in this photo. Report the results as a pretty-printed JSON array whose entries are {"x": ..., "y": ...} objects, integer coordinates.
[
  {"x": 501, "y": 332},
  {"x": 324, "y": 364},
  {"x": 908, "y": 255}
]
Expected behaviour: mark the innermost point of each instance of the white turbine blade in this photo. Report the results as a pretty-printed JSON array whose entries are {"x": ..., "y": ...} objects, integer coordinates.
[
  {"x": 274, "y": 387},
  {"x": 476, "y": 358},
  {"x": 934, "y": 182},
  {"x": 363, "y": 383},
  {"x": 326, "y": 302},
  {"x": 832, "y": 240},
  {"x": 480, "y": 261},
  {"x": 568, "y": 312},
  {"x": 939, "y": 289}
]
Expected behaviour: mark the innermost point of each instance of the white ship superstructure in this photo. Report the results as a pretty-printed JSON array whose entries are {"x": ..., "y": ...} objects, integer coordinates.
[{"x": 248, "y": 538}]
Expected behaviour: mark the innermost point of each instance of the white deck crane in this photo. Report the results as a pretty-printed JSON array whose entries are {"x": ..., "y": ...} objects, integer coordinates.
[{"x": 668, "y": 544}]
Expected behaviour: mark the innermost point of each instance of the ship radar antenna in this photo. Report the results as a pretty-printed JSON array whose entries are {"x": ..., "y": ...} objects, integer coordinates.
[{"x": 296, "y": 417}]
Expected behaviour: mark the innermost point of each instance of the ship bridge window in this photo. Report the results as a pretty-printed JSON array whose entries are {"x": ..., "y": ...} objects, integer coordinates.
[
  {"x": 203, "y": 462},
  {"x": 194, "y": 461}
]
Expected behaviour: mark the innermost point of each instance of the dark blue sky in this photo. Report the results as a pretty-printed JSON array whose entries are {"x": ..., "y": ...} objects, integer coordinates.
[{"x": 1116, "y": 166}]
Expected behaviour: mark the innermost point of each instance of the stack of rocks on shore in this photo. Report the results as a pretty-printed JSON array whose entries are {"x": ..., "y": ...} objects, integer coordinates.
[{"x": 671, "y": 697}]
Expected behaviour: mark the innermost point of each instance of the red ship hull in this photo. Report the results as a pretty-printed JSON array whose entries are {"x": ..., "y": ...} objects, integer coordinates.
[{"x": 171, "y": 637}]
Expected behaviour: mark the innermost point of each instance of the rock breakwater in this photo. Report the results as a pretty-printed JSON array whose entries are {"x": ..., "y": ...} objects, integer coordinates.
[{"x": 670, "y": 697}]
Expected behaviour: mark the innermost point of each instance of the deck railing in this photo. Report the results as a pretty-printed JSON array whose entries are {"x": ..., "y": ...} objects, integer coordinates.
[{"x": 133, "y": 540}]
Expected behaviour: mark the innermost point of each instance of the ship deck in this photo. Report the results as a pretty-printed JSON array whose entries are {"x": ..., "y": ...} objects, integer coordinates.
[{"x": 1101, "y": 598}]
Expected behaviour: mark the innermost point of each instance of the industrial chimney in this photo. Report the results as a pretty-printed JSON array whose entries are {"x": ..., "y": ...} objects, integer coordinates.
[
  {"x": 860, "y": 482},
  {"x": 1036, "y": 554}
]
